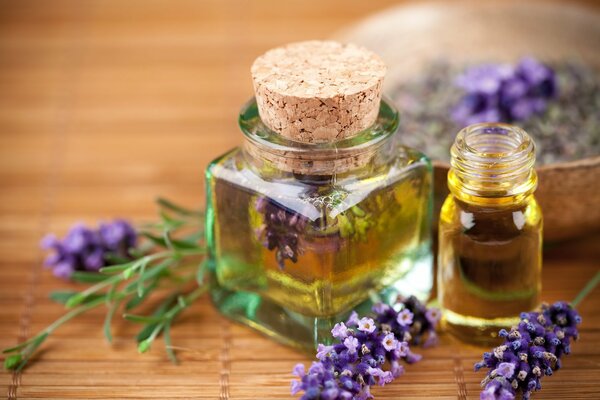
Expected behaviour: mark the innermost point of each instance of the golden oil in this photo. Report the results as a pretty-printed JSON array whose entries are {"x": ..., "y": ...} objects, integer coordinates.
[{"x": 490, "y": 233}]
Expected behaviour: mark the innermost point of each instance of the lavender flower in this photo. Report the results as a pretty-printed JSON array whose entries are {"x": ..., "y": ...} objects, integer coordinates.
[
  {"x": 347, "y": 369},
  {"x": 531, "y": 350},
  {"x": 503, "y": 93},
  {"x": 281, "y": 230},
  {"x": 423, "y": 320},
  {"x": 85, "y": 249}
]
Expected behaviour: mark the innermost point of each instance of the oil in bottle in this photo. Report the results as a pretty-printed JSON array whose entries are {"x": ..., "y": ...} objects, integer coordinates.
[{"x": 490, "y": 233}]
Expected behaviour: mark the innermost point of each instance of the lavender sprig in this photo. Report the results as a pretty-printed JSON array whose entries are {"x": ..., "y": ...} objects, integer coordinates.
[
  {"x": 531, "y": 350},
  {"x": 281, "y": 230},
  {"x": 173, "y": 244},
  {"x": 368, "y": 352}
]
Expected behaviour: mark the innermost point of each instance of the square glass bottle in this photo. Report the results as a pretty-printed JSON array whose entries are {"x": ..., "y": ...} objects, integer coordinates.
[{"x": 311, "y": 217}]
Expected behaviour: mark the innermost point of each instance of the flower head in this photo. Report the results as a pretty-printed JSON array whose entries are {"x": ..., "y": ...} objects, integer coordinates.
[
  {"x": 323, "y": 351},
  {"x": 405, "y": 317},
  {"x": 389, "y": 342},
  {"x": 365, "y": 346},
  {"x": 505, "y": 369},
  {"x": 531, "y": 350},
  {"x": 281, "y": 229},
  {"x": 366, "y": 325},
  {"x": 87, "y": 249},
  {"x": 353, "y": 319},
  {"x": 299, "y": 370},
  {"x": 339, "y": 331},
  {"x": 504, "y": 93},
  {"x": 351, "y": 344},
  {"x": 498, "y": 389},
  {"x": 433, "y": 315}
]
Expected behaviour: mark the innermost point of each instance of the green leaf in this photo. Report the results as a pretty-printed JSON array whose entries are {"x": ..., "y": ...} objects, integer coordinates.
[
  {"x": 117, "y": 268},
  {"x": 159, "y": 311},
  {"x": 115, "y": 259},
  {"x": 144, "y": 345},
  {"x": 82, "y": 298},
  {"x": 17, "y": 347},
  {"x": 62, "y": 297},
  {"x": 167, "y": 238},
  {"x": 181, "y": 301},
  {"x": 87, "y": 277},
  {"x": 108, "y": 320},
  {"x": 357, "y": 211},
  {"x": 111, "y": 294},
  {"x": 12, "y": 361},
  {"x": 137, "y": 300},
  {"x": 140, "y": 282},
  {"x": 164, "y": 203},
  {"x": 145, "y": 332},
  {"x": 29, "y": 350},
  {"x": 154, "y": 239},
  {"x": 201, "y": 272},
  {"x": 168, "y": 343},
  {"x": 143, "y": 319},
  {"x": 170, "y": 223},
  {"x": 150, "y": 273},
  {"x": 169, "y": 242}
]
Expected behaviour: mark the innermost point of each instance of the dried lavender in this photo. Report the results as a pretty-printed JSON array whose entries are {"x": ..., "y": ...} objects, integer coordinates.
[
  {"x": 347, "y": 369},
  {"x": 503, "y": 93},
  {"x": 531, "y": 350},
  {"x": 568, "y": 129},
  {"x": 281, "y": 230},
  {"x": 87, "y": 249}
]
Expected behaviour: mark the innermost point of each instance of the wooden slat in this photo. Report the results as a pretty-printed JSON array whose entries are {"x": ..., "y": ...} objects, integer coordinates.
[{"x": 107, "y": 104}]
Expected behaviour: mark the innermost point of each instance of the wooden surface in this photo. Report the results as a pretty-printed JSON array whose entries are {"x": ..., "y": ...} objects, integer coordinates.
[{"x": 106, "y": 104}]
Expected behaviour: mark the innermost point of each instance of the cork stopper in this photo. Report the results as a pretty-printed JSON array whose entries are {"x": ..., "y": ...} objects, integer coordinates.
[{"x": 318, "y": 91}]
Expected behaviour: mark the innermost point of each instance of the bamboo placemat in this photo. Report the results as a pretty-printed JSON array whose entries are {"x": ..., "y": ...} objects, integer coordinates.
[{"x": 105, "y": 105}]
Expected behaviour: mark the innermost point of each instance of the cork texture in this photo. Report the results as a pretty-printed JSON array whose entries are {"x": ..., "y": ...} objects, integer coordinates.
[{"x": 318, "y": 91}]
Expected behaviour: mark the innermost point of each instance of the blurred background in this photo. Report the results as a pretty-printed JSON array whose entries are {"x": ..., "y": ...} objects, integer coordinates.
[{"x": 115, "y": 102}]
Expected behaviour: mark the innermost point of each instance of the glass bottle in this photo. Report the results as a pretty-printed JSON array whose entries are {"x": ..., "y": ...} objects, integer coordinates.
[
  {"x": 302, "y": 232},
  {"x": 490, "y": 232}
]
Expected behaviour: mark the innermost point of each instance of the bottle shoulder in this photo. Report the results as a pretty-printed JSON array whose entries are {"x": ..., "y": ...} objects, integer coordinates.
[
  {"x": 407, "y": 172},
  {"x": 456, "y": 214}
]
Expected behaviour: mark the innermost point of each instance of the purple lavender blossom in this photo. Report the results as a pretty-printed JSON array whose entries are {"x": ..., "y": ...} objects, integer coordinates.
[
  {"x": 347, "y": 369},
  {"x": 503, "y": 93},
  {"x": 422, "y": 327},
  {"x": 85, "y": 249},
  {"x": 531, "y": 350},
  {"x": 281, "y": 230}
]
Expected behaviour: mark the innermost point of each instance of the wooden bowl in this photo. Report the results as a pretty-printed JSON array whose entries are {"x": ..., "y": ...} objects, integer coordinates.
[{"x": 411, "y": 36}]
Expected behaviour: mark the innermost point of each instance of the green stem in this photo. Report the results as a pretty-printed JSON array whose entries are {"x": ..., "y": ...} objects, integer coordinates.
[
  {"x": 73, "y": 313},
  {"x": 189, "y": 299},
  {"x": 586, "y": 290}
]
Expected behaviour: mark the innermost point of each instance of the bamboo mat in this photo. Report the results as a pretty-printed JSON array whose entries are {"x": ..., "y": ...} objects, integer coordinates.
[{"x": 105, "y": 105}]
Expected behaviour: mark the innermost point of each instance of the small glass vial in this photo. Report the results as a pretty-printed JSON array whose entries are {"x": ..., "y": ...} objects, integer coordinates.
[
  {"x": 320, "y": 210},
  {"x": 490, "y": 233}
]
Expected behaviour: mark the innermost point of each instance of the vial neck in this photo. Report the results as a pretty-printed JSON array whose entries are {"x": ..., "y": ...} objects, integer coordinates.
[
  {"x": 492, "y": 165},
  {"x": 267, "y": 150}
]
